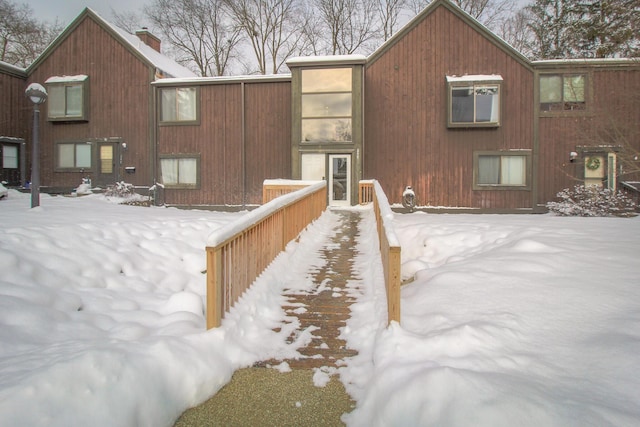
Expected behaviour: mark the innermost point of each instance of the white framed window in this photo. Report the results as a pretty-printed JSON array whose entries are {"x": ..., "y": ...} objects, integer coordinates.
[
  {"x": 67, "y": 98},
  {"x": 74, "y": 156},
  {"x": 180, "y": 171},
  {"x": 179, "y": 105},
  {"x": 474, "y": 101},
  {"x": 502, "y": 170},
  {"x": 562, "y": 92}
]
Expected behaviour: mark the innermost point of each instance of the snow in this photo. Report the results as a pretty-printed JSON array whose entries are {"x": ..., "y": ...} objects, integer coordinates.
[
  {"x": 506, "y": 320},
  {"x": 475, "y": 78},
  {"x": 67, "y": 79}
]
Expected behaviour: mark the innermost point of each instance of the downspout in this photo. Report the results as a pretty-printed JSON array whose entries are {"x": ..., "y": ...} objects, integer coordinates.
[
  {"x": 535, "y": 161},
  {"x": 244, "y": 143},
  {"x": 153, "y": 133}
]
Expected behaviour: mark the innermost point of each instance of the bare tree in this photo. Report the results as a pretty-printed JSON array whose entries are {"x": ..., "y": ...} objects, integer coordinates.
[
  {"x": 389, "y": 11},
  {"x": 349, "y": 25},
  {"x": 515, "y": 31},
  {"x": 488, "y": 12},
  {"x": 272, "y": 29},
  {"x": 200, "y": 32},
  {"x": 22, "y": 37},
  {"x": 129, "y": 21}
]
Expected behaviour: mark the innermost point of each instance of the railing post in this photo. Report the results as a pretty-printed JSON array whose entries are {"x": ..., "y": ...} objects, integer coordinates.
[
  {"x": 214, "y": 287},
  {"x": 393, "y": 284}
]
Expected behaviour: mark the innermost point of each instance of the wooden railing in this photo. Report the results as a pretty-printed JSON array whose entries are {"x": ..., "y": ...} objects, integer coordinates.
[
  {"x": 241, "y": 251},
  {"x": 365, "y": 191},
  {"x": 389, "y": 251},
  {"x": 272, "y": 188}
]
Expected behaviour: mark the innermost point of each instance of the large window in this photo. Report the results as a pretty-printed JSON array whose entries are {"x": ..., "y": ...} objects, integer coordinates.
[
  {"x": 73, "y": 156},
  {"x": 179, "y": 105},
  {"x": 502, "y": 170},
  {"x": 327, "y": 105},
  {"x": 474, "y": 101},
  {"x": 562, "y": 92},
  {"x": 67, "y": 98},
  {"x": 180, "y": 171}
]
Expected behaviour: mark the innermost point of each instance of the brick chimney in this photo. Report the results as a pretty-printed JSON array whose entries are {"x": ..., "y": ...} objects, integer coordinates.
[{"x": 148, "y": 38}]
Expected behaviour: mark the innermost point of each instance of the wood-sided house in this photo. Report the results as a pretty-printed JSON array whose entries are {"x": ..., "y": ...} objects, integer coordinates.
[
  {"x": 13, "y": 124},
  {"x": 445, "y": 106},
  {"x": 98, "y": 120}
]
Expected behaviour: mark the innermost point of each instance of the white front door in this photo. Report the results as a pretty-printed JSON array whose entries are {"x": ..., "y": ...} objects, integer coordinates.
[{"x": 339, "y": 180}]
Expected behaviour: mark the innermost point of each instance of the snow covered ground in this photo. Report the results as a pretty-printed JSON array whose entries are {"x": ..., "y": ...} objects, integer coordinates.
[{"x": 510, "y": 320}]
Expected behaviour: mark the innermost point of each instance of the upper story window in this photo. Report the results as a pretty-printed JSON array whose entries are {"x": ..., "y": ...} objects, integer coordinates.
[
  {"x": 562, "y": 92},
  {"x": 327, "y": 105},
  {"x": 67, "y": 99},
  {"x": 474, "y": 101},
  {"x": 179, "y": 105}
]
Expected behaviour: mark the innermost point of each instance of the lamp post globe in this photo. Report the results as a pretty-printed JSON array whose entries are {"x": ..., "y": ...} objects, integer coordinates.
[{"x": 37, "y": 94}]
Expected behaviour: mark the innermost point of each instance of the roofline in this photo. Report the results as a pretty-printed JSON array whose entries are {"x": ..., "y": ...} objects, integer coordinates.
[
  {"x": 88, "y": 13},
  {"x": 200, "y": 81},
  {"x": 13, "y": 70},
  {"x": 471, "y": 21},
  {"x": 548, "y": 64},
  {"x": 311, "y": 61}
]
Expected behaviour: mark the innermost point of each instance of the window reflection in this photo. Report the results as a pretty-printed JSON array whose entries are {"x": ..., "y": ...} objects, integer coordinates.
[
  {"x": 326, "y": 105},
  {"x": 326, "y": 80},
  {"x": 327, "y": 130}
]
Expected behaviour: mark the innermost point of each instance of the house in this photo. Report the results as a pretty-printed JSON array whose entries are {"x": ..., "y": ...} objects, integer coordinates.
[
  {"x": 445, "y": 106},
  {"x": 98, "y": 120},
  {"x": 13, "y": 125}
]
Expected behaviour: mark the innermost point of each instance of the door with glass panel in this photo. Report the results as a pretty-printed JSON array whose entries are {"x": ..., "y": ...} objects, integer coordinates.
[
  {"x": 339, "y": 180},
  {"x": 107, "y": 164}
]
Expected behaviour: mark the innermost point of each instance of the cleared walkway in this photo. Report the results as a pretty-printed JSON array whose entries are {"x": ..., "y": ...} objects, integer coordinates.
[{"x": 260, "y": 396}]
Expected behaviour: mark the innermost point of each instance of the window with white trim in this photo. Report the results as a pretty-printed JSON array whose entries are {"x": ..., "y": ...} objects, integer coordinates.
[
  {"x": 502, "y": 169},
  {"x": 74, "y": 156},
  {"x": 179, "y": 105},
  {"x": 67, "y": 98},
  {"x": 474, "y": 101},
  {"x": 562, "y": 92},
  {"x": 180, "y": 171}
]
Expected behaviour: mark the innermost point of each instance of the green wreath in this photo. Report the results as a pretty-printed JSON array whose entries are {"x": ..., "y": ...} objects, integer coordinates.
[{"x": 593, "y": 163}]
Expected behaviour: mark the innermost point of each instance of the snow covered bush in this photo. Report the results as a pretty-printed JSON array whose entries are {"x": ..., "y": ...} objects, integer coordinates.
[
  {"x": 84, "y": 188},
  {"x": 592, "y": 201},
  {"x": 3, "y": 191},
  {"x": 120, "y": 189}
]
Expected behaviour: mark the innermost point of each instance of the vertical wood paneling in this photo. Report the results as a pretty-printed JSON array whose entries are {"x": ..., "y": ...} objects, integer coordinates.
[
  {"x": 118, "y": 102},
  {"x": 406, "y": 114}
]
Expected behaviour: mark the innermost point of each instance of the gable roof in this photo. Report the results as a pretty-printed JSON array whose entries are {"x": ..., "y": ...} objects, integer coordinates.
[
  {"x": 137, "y": 47},
  {"x": 456, "y": 10}
]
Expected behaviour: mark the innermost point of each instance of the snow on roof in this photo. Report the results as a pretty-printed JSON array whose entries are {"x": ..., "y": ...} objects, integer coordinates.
[
  {"x": 326, "y": 60},
  {"x": 224, "y": 79},
  {"x": 475, "y": 78},
  {"x": 163, "y": 63},
  {"x": 67, "y": 79}
]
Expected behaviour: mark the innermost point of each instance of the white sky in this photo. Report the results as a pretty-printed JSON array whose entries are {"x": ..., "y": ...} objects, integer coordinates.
[{"x": 67, "y": 10}]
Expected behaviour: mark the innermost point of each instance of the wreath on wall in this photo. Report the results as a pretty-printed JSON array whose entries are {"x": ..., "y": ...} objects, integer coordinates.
[{"x": 593, "y": 163}]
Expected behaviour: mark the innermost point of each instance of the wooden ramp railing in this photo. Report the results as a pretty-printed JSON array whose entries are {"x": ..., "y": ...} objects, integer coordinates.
[
  {"x": 237, "y": 254},
  {"x": 389, "y": 244}
]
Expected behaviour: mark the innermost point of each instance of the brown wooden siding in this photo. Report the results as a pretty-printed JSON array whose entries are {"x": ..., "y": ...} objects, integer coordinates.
[
  {"x": 407, "y": 141},
  {"x": 119, "y": 95},
  {"x": 613, "y": 107},
  {"x": 14, "y": 106},
  {"x": 218, "y": 140}
]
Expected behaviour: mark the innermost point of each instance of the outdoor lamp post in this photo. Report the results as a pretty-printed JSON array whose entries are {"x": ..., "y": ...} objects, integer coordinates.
[{"x": 37, "y": 94}]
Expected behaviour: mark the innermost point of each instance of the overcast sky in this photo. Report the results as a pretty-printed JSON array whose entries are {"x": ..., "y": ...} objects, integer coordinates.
[{"x": 67, "y": 10}]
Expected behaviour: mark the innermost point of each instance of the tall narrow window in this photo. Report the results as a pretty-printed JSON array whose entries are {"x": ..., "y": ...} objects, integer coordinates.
[
  {"x": 474, "y": 101},
  {"x": 326, "y": 105},
  {"x": 178, "y": 105},
  {"x": 562, "y": 93}
]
